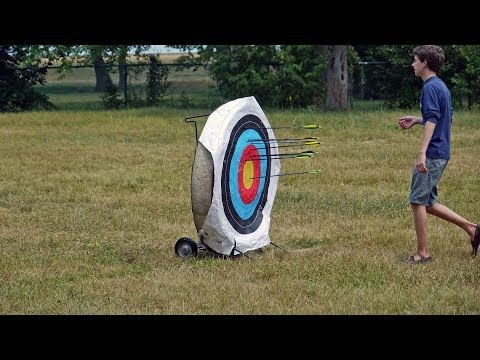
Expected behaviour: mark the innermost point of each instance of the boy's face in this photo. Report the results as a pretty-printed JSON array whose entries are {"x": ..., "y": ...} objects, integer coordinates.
[{"x": 419, "y": 66}]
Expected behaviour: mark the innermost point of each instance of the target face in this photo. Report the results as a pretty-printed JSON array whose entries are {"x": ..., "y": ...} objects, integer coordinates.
[
  {"x": 246, "y": 174},
  {"x": 235, "y": 144}
]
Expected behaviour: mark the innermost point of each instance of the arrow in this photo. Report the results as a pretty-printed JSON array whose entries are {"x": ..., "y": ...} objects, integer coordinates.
[
  {"x": 307, "y": 143},
  {"x": 291, "y": 173},
  {"x": 303, "y": 154},
  {"x": 286, "y": 139},
  {"x": 311, "y": 126}
]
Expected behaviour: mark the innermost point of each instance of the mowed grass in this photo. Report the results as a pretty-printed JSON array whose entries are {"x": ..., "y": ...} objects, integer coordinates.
[{"x": 92, "y": 203}]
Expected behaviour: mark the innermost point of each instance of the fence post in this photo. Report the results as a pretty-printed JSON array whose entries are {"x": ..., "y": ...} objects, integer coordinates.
[{"x": 125, "y": 88}]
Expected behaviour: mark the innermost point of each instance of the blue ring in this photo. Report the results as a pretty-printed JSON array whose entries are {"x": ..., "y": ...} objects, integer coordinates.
[{"x": 243, "y": 210}]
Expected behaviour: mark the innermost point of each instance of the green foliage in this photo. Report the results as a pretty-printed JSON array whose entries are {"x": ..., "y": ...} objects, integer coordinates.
[
  {"x": 135, "y": 96},
  {"x": 284, "y": 75},
  {"x": 466, "y": 78},
  {"x": 367, "y": 75},
  {"x": 243, "y": 70},
  {"x": 290, "y": 75},
  {"x": 397, "y": 85},
  {"x": 112, "y": 99},
  {"x": 394, "y": 82},
  {"x": 300, "y": 81},
  {"x": 97, "y": 55},
  {"x": 157, "y": 85},
  {"x": 157, "y": 81},
  {"x": 16, "y": 84},
  {"x": 69, "y": 55}
]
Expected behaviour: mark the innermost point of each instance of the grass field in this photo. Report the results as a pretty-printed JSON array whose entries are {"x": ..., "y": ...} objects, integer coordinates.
[{"x": 92, "y": 203}]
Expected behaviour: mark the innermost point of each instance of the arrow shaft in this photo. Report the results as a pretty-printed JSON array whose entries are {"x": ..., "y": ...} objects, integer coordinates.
[
  {"x": 290, "y": 173},
  {"x": 311, "y": 126},
  {"x": 290, "y": 145},
  {"x": 285, "y": 139},
  {"x": 303, "y": 154}
]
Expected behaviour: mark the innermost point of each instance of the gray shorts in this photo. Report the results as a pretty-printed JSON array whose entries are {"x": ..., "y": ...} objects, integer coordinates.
[{"x": 423, "y": 189}]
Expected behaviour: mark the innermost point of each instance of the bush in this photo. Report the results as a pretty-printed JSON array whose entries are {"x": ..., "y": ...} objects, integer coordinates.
[
  {"x": 157, "y": 83},
  {"x": 16, "y": 85},
  {"x": 111, "y": 99}
]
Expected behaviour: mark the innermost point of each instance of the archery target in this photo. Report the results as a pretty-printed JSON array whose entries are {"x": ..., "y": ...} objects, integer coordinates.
[
  {"x": 246, "y": 172},
  {"x": 235, "y": 140}
]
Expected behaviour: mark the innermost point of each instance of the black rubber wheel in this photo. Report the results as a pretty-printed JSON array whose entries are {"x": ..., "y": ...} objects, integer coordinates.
[{"x": 185, "y": 247}]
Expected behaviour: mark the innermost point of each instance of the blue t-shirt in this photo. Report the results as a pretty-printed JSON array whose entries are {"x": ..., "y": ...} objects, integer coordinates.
[{"x": 436, "y": 107}]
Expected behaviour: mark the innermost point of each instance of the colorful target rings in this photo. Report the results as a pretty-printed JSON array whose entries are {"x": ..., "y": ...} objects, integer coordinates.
[{"x": 246, "y": 174}]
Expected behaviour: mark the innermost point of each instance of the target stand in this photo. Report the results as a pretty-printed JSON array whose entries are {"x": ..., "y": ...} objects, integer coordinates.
[
  {"x": 201, "y": 194},
  {"x": 232, "y": 190}
]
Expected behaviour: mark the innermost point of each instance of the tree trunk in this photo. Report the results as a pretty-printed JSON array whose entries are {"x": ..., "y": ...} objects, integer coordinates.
[
  {"x": 122, "y": 61},
  {"x": 102, "y": 76},
  {"x": 337, "y": 82}
]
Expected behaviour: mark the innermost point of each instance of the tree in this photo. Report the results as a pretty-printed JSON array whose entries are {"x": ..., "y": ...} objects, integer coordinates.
[
  {"x": 337, "y": 77},
  {"x": 466, "y": 83},
  {"x": 396, "y": 84},
  {"x": 301, "y": 78},
  {"x": 102, "y": 77},
  {"x": 290, "y": 75},
  {"x": 157, "y": 83},
  {"x": 122, "y": 68},
  {"x": 17, "y": 82},
  {"x": 100, "y": 56}
]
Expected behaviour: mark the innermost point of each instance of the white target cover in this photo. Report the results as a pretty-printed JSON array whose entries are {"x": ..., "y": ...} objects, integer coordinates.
[{"x": 239, "y": 138}]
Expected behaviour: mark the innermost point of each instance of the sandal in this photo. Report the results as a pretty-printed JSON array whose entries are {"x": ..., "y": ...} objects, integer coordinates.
[{"x": 411, "y": 259}]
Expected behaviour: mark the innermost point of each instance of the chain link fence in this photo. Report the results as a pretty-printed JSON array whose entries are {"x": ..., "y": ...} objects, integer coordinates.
[
  {"x": 78, "y": 87},
  {"x": 187, "y": 87},
  {"x": 364, "y": 85}
]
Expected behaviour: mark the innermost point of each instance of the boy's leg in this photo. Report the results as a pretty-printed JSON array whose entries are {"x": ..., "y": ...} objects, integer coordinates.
[{"x": 420, "y": 220}]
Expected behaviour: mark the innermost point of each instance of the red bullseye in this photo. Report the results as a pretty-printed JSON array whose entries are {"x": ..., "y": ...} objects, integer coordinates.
[{"x": 248, "y": 174}]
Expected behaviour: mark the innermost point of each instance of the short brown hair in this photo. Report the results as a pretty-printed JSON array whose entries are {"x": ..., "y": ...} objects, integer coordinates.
[{"x": 433, "y": 54}]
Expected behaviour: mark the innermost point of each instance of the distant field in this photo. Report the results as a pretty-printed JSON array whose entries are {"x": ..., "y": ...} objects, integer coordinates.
[
  {"x": 92, "y": 203},
  {"x": 169, "y": 58}
]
